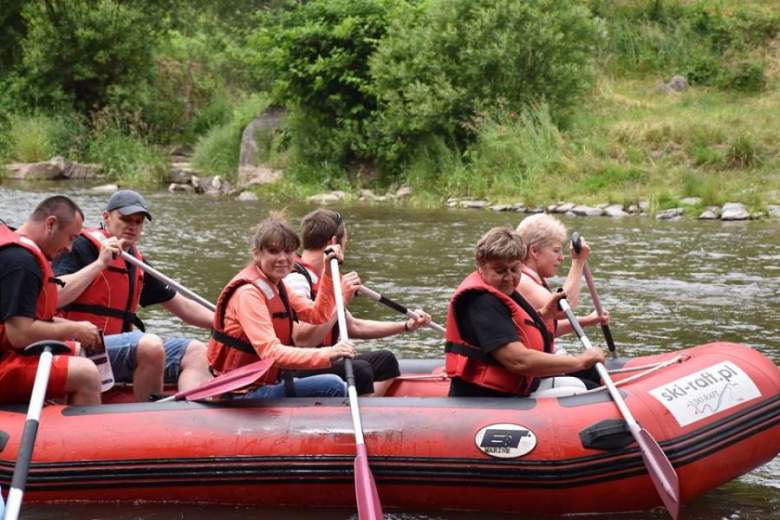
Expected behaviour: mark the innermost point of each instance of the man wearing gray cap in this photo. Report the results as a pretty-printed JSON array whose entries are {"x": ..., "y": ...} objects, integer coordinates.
[{"x": 102, "y": 288}]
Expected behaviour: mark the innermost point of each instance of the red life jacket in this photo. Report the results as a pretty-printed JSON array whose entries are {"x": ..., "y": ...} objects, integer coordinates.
[
  {"x": 552, "y": 326},
  {"x": 470, "y": 363},
  {"x": 332, "y": 337},
  {"x": 107, "y": 301},
  {"x": 226, "y": 353},
  {"x": 47, "y": 297}
]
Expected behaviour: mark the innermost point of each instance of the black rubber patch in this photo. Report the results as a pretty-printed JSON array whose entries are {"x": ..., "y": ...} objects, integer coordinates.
[{"x": 609, "y": 434}]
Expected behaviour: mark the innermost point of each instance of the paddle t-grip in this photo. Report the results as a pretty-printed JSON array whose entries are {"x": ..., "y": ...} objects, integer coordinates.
[{"x": 576, "y": 242}]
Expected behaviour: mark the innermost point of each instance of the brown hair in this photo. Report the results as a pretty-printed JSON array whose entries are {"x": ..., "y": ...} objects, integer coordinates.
[
  {"x": 500, "y": 244},
  {"x": 59, "y": 206},
  {"x": 276, "y": 232},
  {"x": 319, "y": 226}
]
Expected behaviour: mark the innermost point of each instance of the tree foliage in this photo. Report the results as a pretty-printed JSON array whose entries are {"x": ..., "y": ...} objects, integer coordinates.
[
  {"x": 438, "y": 67},
  {"x": 80, "y": 52}
]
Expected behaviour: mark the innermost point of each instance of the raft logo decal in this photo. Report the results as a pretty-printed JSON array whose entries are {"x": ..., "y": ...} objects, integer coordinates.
[
  {"x": 505, "y": 441},
  {"x": 707, "y": 392}
]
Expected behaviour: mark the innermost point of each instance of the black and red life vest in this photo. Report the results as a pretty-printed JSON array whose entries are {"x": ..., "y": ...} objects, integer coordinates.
[
  {"x": 47, "y": 297},
  {"x": 108, "y": 301},
  {"x": 332, "y": 337},
  {"x": 226, "y": 353},
  {"x": 470, "y": 363}
]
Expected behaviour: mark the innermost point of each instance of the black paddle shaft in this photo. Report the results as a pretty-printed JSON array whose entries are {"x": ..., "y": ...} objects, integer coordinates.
[{"x": 577, "y": 244}]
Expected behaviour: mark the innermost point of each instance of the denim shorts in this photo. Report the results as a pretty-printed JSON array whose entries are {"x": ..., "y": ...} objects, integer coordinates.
[{"x": 122, "y": 350}]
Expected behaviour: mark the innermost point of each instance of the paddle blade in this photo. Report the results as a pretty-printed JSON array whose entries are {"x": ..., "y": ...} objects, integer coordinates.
[
  {"x": 369, "y": 506},
  {"x": 228, "y": 382},
  {"x": 661, "y": 471}
]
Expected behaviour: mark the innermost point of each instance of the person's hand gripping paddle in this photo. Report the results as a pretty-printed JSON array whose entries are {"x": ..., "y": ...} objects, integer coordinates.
[
  {"x": 577, "y": 244},
  {"x": 369, "y": 507},
  {"x": 658, "y": 466}
]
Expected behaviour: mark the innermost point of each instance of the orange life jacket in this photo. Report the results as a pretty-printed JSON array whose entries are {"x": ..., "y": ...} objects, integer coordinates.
[
  {"x": 47, "y": 297},
  {"x": 332, "y": 337},
  {"x": 469, "y": 363},
  {"x": 107, "y": 302},
  {"x": 226, "y": 353}
]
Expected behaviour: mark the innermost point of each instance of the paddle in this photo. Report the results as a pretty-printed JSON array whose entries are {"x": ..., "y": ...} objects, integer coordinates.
[
  {"x": 398, "y": 307},
  {"x": 369, "y": 507},
  {"x": 224, "y": 383},
  {"x": 658, "y": 466},
  {"x": 45, "y": 349},
  {"x": 157, "y": 274},
  {"x": 575, "y": 242}
]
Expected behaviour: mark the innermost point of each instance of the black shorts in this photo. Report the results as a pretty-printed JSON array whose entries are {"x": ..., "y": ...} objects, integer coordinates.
[{"x": 370, "y": 367}]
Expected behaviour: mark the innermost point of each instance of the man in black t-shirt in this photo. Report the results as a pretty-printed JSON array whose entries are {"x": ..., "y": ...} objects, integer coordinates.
[
  {"x": 28, "y": 302},
  {"x": 90, "y": 272}
]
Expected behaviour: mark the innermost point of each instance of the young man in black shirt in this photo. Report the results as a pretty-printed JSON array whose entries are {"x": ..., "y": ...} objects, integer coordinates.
[{"x": 28, "y": 298}]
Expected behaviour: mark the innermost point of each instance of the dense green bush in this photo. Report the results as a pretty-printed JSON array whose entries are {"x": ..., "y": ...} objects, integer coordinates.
[
  {"x": 39, "y": 137},
  {"x": 122, "y": 147},
  {"x": 76, "y": 52},
  {"x": 317, "y": 54},
  {"x": 441, "y": 64}
]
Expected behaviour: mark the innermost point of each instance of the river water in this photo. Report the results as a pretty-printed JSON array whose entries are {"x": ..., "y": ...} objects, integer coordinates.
[{"x": 668, "y": 285}]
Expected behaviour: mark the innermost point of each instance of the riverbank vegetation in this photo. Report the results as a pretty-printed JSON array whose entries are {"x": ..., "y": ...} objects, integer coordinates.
[{"x": 535, "y": 101}]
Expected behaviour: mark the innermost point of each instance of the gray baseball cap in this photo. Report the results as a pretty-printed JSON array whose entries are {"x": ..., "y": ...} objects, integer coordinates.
[{"x": 128, "y": 202}]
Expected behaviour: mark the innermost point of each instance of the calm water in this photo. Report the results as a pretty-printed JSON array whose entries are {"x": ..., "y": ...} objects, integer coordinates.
[{"x": 667, "y": 285}]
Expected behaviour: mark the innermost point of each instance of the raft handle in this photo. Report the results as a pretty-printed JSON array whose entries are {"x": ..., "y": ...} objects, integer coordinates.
[{"x": 609, "y": 434}]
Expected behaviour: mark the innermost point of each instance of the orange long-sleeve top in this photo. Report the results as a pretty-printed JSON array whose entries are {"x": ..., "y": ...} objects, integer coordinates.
[{"x": 247, "y": 315}]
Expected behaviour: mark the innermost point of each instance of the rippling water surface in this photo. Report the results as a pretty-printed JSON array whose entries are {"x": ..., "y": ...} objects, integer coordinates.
[{"x": 668, "y": 285}]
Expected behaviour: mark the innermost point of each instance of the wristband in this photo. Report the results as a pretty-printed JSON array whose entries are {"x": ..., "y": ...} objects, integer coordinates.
[{"x": 406, "y": 326}]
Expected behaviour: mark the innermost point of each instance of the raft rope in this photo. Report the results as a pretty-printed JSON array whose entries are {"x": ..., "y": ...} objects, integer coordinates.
[{"x": 653, "y": 368}]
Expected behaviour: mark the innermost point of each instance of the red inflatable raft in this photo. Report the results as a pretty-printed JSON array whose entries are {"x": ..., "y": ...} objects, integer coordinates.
[{"x": 715, "y": 412}]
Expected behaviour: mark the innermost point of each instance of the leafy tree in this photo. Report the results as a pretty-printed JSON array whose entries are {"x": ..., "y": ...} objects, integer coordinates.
[
  {"x": 77, "y": 51},
  {"x": 440, "y": 65},
  {"x": 317, "y": 54}
]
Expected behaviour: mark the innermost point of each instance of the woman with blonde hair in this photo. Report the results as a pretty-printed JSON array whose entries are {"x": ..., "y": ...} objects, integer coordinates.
[
  {"x": 544, "y": 237},
  {"x": 255, "y": 315}
]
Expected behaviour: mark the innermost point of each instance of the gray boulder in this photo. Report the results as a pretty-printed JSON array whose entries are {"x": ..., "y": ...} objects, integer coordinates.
[
  {"x": 615, "y": 210},
  {"x": 256, "y": 141},
  {"x": 587, "y": 211},
  {"x": 734, "y": 211},
  {"x": 672, "y": 214},
  {"x": 474, "y": 204}
]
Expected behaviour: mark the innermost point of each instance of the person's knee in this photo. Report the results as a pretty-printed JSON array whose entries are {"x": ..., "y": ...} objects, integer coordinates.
[
  {"x": 336, "y": 387},
  {"x": 194, "y": 355},
  {"x": 150, "y": 351},
  {"x": 82, "y": 375}
]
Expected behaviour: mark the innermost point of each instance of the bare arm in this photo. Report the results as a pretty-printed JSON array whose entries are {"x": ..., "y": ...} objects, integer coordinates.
[
  {"x": 23, "y": 331},
  {"x": 189, "y": 311},
  {"x": 76, "y": 283},
  {"x": 308, "y": 336},
  {"x": 369, "y": 329},
  {"x": 591, "y": 320},
  {"x": 518, "y": 359},
  {"x": 573, "y": 281}
]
